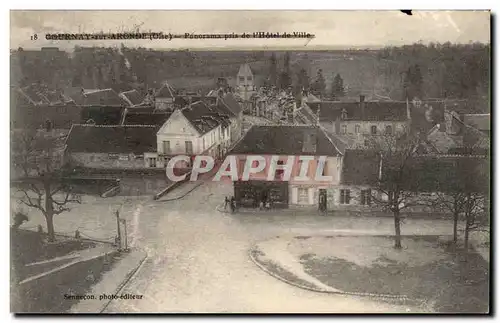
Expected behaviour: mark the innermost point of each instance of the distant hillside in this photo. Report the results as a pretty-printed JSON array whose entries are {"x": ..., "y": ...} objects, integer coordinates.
[{"x": 456, "y": 71}]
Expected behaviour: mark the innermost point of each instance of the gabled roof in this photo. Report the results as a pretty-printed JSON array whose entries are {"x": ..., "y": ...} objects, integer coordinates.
[
  {"x": 232, "y": 103},
  {"x": 204, "y": 118},
  {"x": 105, "y": 97},
  {"x": 360, "y": 167},
  {"x": 441, "y": 141},
  {"x": 133, "y": 97},
  {"x": 353, "y": 111},
  {"x": 284, "y": 140},
  {"x": 111, "y": 139},
  {"x": 33, "y": 95},
  {"x": 166, "y": 91},
  {"x": 245, "y": 70},
  {"x": 146, "y": 118},
  {"x": 306, "y": 114}
]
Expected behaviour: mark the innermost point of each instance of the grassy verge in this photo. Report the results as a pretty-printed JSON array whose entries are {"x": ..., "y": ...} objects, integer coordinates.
[
  {"x": 47, "y": 294},
  {"x": 455, "y": 285},
  {"x": 279, "y": 271}
]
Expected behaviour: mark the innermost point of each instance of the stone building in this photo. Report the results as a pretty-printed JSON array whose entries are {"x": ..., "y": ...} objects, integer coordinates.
[{"x": 285, "y": 142}]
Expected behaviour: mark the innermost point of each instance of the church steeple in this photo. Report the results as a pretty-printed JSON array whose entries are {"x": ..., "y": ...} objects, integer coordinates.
[{"x": 245, "y": 82}]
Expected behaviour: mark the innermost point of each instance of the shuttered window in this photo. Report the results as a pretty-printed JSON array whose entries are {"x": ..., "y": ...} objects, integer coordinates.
[{"x": 345, "y": 196}]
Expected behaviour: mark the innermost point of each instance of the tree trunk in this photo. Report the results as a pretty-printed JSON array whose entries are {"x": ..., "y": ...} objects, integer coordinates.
[
  {"x": 455, "y": 227},
  {"x": 49, "y": 212},
  {"x": 466, "y": 236},
  {"x": 397, "y": 229},
  {"x": 50, "y": 226}
]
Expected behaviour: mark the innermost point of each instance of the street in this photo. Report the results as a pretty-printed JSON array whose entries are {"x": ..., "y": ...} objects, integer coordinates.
[{"x": 198, "y": 259}]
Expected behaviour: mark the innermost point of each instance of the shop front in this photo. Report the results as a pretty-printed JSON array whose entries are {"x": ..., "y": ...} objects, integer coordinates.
[{"x": 252, "y": 193}]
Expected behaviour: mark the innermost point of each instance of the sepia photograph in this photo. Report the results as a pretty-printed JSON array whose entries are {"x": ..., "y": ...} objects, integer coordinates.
[{"x": 250, "y": 162}]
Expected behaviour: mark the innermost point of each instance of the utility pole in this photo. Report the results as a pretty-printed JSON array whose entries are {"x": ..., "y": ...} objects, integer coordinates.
[{"x": 118, "y": 229}]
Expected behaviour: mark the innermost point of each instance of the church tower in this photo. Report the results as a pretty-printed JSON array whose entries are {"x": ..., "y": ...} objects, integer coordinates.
[{"x": 245, "y": 82}]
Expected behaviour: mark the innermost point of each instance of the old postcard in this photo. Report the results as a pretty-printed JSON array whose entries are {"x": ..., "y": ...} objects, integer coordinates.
[{"x": 250, "y": 161}]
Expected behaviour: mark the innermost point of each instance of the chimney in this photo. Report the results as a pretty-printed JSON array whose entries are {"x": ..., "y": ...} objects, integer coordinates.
[{"x": 309, "y": 142}]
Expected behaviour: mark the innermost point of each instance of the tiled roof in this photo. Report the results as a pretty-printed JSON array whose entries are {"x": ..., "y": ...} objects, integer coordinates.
[
  {"x": 111, "y": 139},
  {"x": 204, "y": 118},
  {"x": 285, "y": 140},
  {"x": 166, "y": 91},
  {"x": 133, "y": 97},
  {"x": 105, "y": 97},
  {"x": 146, "y": 118},
  {"x": 336, "y": 140},
  {"x": 360, "y": 167},
  {"x": 232, "y": 104},
  {"x": 373, "y": 111},
  {"x": 102, "y": 115},
  {"x": 442, "y": 141},
  {"x": 307, "y": 115}
]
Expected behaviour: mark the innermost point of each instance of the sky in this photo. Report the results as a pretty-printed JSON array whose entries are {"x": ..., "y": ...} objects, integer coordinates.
[{"x": 335, "y": 29}]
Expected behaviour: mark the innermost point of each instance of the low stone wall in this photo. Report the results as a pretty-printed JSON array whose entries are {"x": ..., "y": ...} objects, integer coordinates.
[{"x": 172, "y": 186}]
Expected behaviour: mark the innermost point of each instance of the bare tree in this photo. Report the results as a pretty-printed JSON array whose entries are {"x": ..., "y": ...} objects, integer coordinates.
[
  {"x": 37, "y": 171},
  {"x": 460, "y": 186},
  {"x": 474, "y": 175},
  {"x": 453, "y": 202},
  {"x": 395, "y": 190}
]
